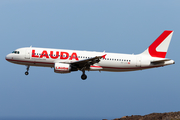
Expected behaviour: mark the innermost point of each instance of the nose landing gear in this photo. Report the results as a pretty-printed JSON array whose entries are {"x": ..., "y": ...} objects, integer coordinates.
[{"x": 26, "y": 73}]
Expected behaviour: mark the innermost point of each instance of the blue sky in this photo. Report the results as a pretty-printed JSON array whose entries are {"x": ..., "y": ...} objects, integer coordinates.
[{"x": 94, "y": 25}]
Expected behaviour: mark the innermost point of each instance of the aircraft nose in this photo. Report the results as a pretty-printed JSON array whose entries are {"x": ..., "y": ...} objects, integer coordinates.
[{"x": 8, "y": 57}]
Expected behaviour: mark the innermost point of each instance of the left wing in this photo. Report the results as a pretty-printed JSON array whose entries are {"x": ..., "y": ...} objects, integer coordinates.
[{"x": 85, "y": 64}]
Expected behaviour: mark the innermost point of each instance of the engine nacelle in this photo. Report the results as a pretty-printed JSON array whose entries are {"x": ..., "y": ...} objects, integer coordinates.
[{"x": 62, "y": 68}]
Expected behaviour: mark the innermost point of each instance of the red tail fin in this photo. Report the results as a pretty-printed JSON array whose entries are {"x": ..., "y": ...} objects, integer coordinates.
[{"x": 160, "y": 46}]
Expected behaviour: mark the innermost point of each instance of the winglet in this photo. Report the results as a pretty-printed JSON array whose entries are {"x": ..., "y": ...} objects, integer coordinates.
[{"x": 104, "y": 56}]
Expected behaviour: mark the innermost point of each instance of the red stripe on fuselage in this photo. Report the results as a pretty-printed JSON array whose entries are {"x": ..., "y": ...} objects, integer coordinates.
[
  {"x": 134, "y": 68},
  {"x": 28, "y": 61}
]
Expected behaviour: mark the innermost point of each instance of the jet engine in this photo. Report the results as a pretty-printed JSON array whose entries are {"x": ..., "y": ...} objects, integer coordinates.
[{"x": 64, "y": 68}]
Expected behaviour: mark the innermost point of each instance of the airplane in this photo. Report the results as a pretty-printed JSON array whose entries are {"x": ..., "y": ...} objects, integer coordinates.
[{"x": 67, "y": 61}]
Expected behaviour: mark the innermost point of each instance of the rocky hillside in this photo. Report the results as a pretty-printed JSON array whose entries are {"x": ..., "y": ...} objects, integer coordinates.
[{"x": 153, "y": 116}]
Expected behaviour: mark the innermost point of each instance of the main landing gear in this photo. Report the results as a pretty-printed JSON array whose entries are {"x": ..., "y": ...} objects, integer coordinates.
[
  {"x": 26, "y": 73},
  {"x": 83, "y": 76}
]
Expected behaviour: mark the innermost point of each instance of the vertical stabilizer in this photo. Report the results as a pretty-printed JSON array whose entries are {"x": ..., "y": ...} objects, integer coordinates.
[{"x": 160, "y": 46}]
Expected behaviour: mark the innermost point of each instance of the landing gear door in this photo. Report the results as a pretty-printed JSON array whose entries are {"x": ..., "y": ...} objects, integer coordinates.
[
  {"x": 138, "y": 61},
  {"x": 27, "y": 53}
]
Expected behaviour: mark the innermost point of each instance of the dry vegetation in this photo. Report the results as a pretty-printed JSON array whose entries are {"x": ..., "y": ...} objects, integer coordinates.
[{"x": 153, "y": 116}]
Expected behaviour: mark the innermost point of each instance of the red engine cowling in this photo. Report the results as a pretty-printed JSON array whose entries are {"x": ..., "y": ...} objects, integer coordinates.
[{"x": 62, "y": 68}]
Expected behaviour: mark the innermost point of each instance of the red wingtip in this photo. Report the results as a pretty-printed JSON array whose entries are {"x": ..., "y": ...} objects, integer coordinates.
[{"x": 104, "y": 56}]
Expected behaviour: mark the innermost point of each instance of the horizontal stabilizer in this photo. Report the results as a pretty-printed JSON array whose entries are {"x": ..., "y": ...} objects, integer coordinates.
[{"x": 159, "y": 61}]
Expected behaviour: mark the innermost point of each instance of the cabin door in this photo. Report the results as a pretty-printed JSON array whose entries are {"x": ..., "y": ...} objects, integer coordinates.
[
  {"x": 138, "y": 61},
  {"x": 27, "y": 53}
]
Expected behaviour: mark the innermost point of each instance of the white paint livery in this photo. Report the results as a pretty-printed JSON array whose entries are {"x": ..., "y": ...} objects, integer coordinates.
[{"x": 66, "y": 61}]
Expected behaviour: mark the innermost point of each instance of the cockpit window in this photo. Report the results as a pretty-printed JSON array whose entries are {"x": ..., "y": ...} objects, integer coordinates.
[{"x": 16, "y": 52}]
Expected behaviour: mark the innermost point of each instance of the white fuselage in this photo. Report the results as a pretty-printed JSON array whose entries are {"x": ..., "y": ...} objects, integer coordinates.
[
  {"x": 66, "y": 61},
  {"x": 47, "y": 57}
]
